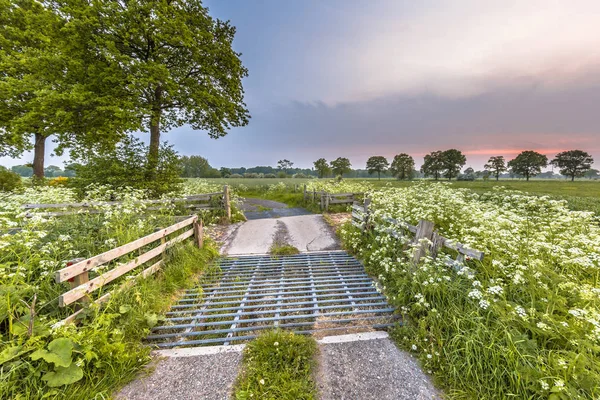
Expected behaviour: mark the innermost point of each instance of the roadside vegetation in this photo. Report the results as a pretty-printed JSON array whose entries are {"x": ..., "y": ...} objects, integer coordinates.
[
  {"x": 523, "y": 323},
  {"x": 278, "y": 365},
  {"x": 40, "y": 359}
]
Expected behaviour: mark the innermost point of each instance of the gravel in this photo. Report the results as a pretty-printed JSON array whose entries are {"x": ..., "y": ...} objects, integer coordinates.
[
  {"x": 371, "y": 369},
  {"x": 207, "y": 377}
]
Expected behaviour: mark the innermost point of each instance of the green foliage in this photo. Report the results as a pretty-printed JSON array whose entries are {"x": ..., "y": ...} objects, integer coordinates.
[
  {"x": 496, "y": 165},
  {"x": 377, "y": 164},
  {"x": 403, "y": 166},
  {"x": 54, "y": 83},
  {"x": 284, "y": 165},
  {"x": 225, "y": 172},
  {"x": 278, "y": 365},
  {"x": 340, "y": 166},
  {"x": 126, "y": 165},
  {"x": 197, "y": 167},
  {"x": 528, "y": 163},
  {"x": 9, "y": 180},
  {"x": 433, "y": 164},
  {"x": 322, "y": 167},
  {"x": 453, "y": 160},
  {"x": 573, "y": 163},
  {"x": 283, "y": 250},
  {"x": 177, "y": 66},
  {"x": 25, "y": 171}
]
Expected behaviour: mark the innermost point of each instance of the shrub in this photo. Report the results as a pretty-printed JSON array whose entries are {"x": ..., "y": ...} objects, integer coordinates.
[
  {"x": 59, "y": 181},
  {"x": 270, "y": 176},
  {"x": 235, "y": 176},
  {"x": 9, "y": 180},
  {"x": 465, "y": 177},
  {"x": 126, "y": 165},
  {"x": 299, "y": 175},
  {"x": 250, "y": 175},
  {"x": 281, "y": 174}
]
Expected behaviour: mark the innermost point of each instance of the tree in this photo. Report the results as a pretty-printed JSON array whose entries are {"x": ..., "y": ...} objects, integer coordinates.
[
  {"x": 528, "y": 163},
  {"x": 403, "y": 166},
  {"x": 177, "y": 65},
  {"x": 433, "y": 164},
  {"x": 225, "y": 172},
  {"x": 496, "y": 165},
  {"x": 197, "y": 167},
  {"x": 377, "y": 164},
  {"x": 573, "y": 163},
  {"x": 340, "y": 166},
  {"x": 23, "y": 170},
  {"x": 9, "y": 180},
  {"x": 54, "y": 83},
  {"x": 284, "y": 165},
  {"x": 453, "y": 160},
  {"x": 592, "y": 174},
  {"x": 322, "y": 167},
  {"x": 53, "y": 171}
]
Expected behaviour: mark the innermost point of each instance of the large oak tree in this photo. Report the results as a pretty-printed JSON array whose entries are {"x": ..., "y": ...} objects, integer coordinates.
[
  {"x": 53, "y": 83},
  {"x": 528, "y": 163},
  {"x": 573, "y": 163},
  {"x": 403, "y": 166},
  {"x": 178, "y": 65},
  {"x": 496, "y": 165},
  {"x": 377, "y": 164}
]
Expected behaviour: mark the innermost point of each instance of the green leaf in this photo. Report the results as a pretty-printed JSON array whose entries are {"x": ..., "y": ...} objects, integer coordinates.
[
  {"x": 10, "y": 353},
  {"x": 151, "y": 319},
  {"x": 63, "y": 375},
  {"x": 124, "y": 309},
  {"x": 59, "y": 352}
]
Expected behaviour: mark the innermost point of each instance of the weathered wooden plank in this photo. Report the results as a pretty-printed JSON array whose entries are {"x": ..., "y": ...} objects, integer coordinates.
[
  {"x": 401, "y": 224},
  {"x": 334, "y": 201},
  {"x": 356, "y": 207},
  {"x": 358, "y": 216},
  {"x": 424, "y": 231},
  {"x": 144, "y": 274},
  {"x": 226, "y": 203},
  {"x": 90, "y": 263},
  {"x": 475, "y": 254},
  {"x": 107, "y": 277}
]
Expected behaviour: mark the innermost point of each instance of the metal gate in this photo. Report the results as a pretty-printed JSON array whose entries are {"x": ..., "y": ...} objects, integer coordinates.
[{"x": 306, "y": 293}]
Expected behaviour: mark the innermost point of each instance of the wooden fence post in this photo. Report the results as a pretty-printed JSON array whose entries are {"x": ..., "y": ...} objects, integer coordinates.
[
  {"x": 226, "y": 203},
  {"x": 304, "y": 196},
  {"x": 199, "y": 233},
  {"x": 437, "y": 243},
  {"x": 314, "y": 195},
  {"x": 367, "y": 215},
  {"x": 424, "y": 231}
]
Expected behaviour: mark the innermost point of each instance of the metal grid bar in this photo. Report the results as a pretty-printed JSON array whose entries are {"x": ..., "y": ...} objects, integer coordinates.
[{"x": 312, "y": 291}]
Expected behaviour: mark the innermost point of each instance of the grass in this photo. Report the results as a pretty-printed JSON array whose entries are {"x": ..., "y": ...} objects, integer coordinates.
[
  {"x": 283, "y": 250},
  {"x": 278, "y": 365},
  {"x": 581, "y": 195}
]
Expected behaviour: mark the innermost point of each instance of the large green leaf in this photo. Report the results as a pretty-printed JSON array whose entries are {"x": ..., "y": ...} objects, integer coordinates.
[
  {"x": 63, "y": 376},
  {"x": 59, "y": 352},
  {"x": 10, "y": 353}
]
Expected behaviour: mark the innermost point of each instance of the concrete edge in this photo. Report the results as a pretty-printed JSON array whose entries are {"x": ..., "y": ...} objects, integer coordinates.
[
  {"x": 199, "y": 351},
  {"x": 354, "y": 337},
  {"x": 208, "y": 350}
]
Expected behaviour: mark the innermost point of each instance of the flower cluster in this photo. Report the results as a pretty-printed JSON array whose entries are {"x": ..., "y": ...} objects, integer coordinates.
[{"x": 536, "y": 291}]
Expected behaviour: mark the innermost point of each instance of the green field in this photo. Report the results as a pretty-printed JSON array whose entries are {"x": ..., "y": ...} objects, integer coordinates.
[{"x": 582, "y": 195}]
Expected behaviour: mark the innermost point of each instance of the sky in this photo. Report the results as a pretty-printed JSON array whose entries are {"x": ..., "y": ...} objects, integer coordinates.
[{"x": 341, "y": 78}]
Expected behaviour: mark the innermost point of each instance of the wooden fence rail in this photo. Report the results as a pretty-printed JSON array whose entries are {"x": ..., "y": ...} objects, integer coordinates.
[
  {"x": 361, "y": 218},
  {"x": 196, "y": 202},
  {"x": 77, "y": 271},
  {"x": 326, "y": 199}
]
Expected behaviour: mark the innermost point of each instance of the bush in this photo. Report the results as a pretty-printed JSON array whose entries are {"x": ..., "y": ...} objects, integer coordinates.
[
  {"x": 9, "y": 180},
  {"x": 59, "y": 181},
  {"x": 282, "y": 174},
  {"x": 250, "y": 175},
  {"x": 465, "y": 177},
  {"x": 270, "y": 176},
  {"x": 235, "y": 176},
  {"x": 127, "y": 164},
  {"x": 299, "y": 175}
]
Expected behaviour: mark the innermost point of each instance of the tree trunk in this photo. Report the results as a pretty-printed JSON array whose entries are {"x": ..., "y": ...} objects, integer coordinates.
[
  {"x": 39, "y": 151},
  {"x": 378, "y": 175},
  {"x": 573, "y": 178},
  {"x": 154, "y": 144}
]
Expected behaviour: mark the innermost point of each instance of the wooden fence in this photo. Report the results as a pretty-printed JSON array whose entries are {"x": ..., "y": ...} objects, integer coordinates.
[
  {"x": 361, "y": 218},
  {"x": 194, "y": 203},
  {"x": 326, "y": 199},
  {"x": 77, "y": 271}
]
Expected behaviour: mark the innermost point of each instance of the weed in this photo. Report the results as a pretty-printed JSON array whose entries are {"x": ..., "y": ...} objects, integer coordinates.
[
  {"x": 283, "y": 250},
  {"x": 278, "y": 365}
]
